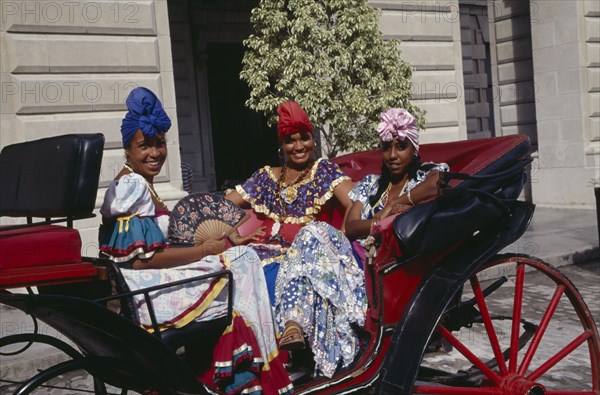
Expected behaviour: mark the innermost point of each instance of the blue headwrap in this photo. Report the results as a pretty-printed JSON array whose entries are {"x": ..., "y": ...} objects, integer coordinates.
[{"x": 145, "y": 113}]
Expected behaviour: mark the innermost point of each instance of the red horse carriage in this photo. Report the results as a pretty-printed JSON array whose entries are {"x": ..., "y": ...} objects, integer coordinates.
[{"x": 433, "y": 324}]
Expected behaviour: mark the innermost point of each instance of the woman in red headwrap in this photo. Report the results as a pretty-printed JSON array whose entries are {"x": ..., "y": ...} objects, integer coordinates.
[{"x": 315, "y": 283}]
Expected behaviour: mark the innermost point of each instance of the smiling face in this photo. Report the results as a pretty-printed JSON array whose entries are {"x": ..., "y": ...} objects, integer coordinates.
[
  {"x": 298, "y": 148},
  {"x": 397, "y": 156},
  {"x": 147, "y": 155}
]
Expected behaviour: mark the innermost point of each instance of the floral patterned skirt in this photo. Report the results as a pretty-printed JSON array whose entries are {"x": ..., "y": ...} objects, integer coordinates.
[
  {"x": 320, "y": 286},
  {"x": 246, "y": 358}
]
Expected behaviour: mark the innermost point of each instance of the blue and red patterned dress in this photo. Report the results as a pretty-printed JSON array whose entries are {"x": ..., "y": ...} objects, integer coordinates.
[
  {"x": 246, "y": 358},
  {"x": 311, "y": 272}
]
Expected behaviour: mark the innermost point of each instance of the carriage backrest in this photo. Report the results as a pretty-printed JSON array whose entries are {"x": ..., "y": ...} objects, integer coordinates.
[
  {"x": 473, "y": 157},
  {"x": 479, "y": 156},
  {"x": 51, "y": 177}
]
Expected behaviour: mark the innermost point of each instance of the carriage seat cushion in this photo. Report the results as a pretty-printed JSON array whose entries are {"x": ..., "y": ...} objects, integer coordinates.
[{"x": 42, "y": 245}]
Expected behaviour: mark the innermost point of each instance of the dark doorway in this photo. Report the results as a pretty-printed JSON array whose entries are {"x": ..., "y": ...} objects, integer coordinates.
[{"x": 242, "y": 141}]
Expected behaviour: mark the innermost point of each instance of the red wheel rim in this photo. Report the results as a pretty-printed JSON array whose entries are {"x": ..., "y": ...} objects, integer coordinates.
[{"x": 524, "y": 371}]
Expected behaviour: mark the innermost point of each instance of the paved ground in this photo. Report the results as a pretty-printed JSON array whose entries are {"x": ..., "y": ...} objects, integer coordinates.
[{"x": 561, "y": 237}]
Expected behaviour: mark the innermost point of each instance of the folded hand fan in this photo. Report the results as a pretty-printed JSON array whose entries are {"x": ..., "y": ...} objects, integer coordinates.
[{"x": 201, "y": 216}]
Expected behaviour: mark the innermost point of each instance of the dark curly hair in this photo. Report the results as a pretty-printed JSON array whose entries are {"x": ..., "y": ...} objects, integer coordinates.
[{"x": 384, "y": 180}]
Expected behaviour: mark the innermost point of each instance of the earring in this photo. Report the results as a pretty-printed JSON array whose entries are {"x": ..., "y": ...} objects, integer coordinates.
[
  {"x": 280, "y": 153},
  {"x": 127, "y": 159}
]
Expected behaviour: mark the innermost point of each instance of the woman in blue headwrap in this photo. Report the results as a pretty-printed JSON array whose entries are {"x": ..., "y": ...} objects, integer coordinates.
[{"x": 134, "y": 231}]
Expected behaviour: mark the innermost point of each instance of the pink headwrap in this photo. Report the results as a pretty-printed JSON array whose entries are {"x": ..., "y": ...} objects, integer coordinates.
[
  {"x": 292, "y": 119},
  {"x": 398, "y": 123}
]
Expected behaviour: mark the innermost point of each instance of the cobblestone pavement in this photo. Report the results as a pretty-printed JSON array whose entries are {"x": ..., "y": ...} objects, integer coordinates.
[{"x": 571, "y": 373}]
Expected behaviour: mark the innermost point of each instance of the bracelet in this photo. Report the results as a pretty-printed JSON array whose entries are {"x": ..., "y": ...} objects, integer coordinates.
[{"x": 409, "y": 198}]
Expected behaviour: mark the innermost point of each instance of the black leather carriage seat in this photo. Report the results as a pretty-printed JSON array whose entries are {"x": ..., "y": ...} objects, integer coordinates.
[{"x": 47, "y": 178}]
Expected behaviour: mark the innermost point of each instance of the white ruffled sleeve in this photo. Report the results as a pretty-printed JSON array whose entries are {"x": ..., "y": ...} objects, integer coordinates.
[{"x": 128, "y": 195}]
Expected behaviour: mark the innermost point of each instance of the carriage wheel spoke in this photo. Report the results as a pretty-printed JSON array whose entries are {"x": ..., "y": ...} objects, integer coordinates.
[
  {"x": 489, "y": 326},
  {"x": 516, "y": 321},
  {"x": 537, "y": 338},
  {"x": 460, "y": 347},
  {"x": 556, "y": 358}
]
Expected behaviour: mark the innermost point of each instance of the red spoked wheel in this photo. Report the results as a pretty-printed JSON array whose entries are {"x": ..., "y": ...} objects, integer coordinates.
[{"x": 527, "y": 333}]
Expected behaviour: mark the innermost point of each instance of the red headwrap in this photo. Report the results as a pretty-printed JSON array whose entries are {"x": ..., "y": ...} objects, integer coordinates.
[{"x": 292, "y": 119}]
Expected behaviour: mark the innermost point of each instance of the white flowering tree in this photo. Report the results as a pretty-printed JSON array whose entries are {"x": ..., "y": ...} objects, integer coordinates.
[{"x": 330, "y": 57}]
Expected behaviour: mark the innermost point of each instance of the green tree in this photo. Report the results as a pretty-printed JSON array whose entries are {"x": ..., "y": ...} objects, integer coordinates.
[{"x": 330, "y": 57}]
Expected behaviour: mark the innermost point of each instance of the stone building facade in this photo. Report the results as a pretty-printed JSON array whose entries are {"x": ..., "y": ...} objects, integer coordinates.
[{"x": 482, "y": 68}]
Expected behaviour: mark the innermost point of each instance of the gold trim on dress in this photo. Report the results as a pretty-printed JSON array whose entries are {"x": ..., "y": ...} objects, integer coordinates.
[
  {"x": 198, "y": 310},
  {"x": 309, "y": 213}
]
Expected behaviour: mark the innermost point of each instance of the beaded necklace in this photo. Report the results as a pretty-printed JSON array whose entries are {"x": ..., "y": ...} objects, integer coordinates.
[
  {"x": 287, "y": 194},
  {"x": 155, "y": 196},
  {"x": 385, "y": 195}
]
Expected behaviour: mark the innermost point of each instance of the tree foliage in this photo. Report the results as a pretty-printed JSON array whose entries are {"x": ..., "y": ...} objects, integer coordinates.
[{"x": 330, "y": 57}]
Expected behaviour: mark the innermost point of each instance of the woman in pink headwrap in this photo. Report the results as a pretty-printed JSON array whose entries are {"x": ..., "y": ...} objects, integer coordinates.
[
  {"x": 315, "y": 284},
  {"x": 404, "y": 180}
]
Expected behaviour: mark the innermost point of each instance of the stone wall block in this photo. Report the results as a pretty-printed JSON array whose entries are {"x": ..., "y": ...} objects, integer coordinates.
[
  {"x": 546, "y": 84},
  {"x": 592, "y": 161},
  {"x": 549, "y": 130},
  {"x": 561, "y": 155},
  {"x": 592, "y": 30},
  {"x": 594, "y": 104},
  {"x": 529, "y": 130},
  {"x": 569, "y": 81},
  {"x": 565, "y": 31},
  {"x": 95, "y": 17},
  {"x": 595, "y": 130},
  {"x": 593, "y": 79},
  {"x": 512, "y": 28},
  {"x": 505, "y": 9},
  {"x": 513, "y": 50},
  {"x": 113, "y": 90},
  {"x": 515, "y": 71},
  {"x": 440, "y": 134},
  {"x": 79, "y": 54},
  {"x": 591, "y": 7},
  {"x": 89, "y": 54},
  {"x": 30, "y": 127},
  {"x": 571, "y": 130},
  {"x": 560, "y": 106},
  {"x": 574, "y": 185},
  {"x": 435, "y": 85},
  {"x": 520, "y": 92},
  {"x": 162, "y": 14},
  {"x": 542, "y": 10},
  {"x": 417, "y": 26},
  {"x": 440, "y": 113},
  {"x": 166, "y": 59},
  {"x": 428, "y": 55},
  {"x": 593, "y": 54},
  {"x": 24, "y": 53},
  {"x": 517, "y": 114},
  {"x": 543, "y": 34},
  {"x": 61, "y": 93},
  {"x": 143, "y": 55},
  {"x": 559, "y": 57}
]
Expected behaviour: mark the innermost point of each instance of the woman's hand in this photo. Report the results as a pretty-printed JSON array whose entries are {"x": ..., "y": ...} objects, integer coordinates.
[
  {"x": 394, "y": 206},
  {"x": 237, "y": 239},
  {"x": 214, "y": 246}
]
